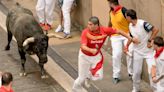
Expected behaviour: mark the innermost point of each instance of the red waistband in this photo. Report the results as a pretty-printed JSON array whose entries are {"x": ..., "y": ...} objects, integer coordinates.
[{"x": 90, "y": 54}]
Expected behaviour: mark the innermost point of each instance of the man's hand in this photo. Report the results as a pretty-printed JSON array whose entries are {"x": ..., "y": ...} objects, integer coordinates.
[
  {"x": 135, "y": 40},
  {"x": 150, "y": 44},
  {"x": 93, "y": 51},
  {"x": 125, "y": 49},
  {"x": 154, "y": 79},
  {"x": 103, "y": 36}
]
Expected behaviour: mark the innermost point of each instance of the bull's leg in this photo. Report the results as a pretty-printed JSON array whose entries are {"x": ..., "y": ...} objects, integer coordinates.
[
  {"x": 43, "y": 73},
  {"x": 23, "y": 60},
  {"x": 9, "y": 40}
]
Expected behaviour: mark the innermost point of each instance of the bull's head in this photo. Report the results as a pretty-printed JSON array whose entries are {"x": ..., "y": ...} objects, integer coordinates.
[{"x": 37, "y": 44}]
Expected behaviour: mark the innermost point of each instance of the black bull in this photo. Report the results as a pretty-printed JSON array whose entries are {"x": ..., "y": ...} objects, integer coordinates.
[{"x": 29, "y": 35}]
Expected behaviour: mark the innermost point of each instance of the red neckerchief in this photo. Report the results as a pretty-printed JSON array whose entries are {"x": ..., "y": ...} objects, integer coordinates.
[
  {"x": 92, "y": 33},
  {"x": 158, "y": 52},
  {"x": 117, "y": 8}
]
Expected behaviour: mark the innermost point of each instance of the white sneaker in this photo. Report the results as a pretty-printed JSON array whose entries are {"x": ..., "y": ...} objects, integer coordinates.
[
  {"x": 87, "y": 82},
  {"x": 59, "y": 29}
]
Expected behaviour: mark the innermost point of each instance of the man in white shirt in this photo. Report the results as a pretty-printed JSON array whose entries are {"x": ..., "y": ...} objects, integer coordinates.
[{"x": 143, "y": 32}]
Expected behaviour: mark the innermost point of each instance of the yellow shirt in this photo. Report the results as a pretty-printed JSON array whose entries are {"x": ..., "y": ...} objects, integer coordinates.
[{"x": 119, "y": 22}]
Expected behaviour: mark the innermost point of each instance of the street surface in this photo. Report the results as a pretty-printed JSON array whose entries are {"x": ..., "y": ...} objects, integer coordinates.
[
  {"x": 10, "y": 62},
  {"x": 65, "y": 54}
]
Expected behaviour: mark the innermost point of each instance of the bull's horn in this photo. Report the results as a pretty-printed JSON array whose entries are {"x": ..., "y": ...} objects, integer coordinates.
[
  {"x": 54, "y": 35},
  {"x": 28, "y": 40}
]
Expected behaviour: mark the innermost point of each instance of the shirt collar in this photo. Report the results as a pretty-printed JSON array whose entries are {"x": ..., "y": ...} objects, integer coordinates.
[{"x": 117, "y": 8}]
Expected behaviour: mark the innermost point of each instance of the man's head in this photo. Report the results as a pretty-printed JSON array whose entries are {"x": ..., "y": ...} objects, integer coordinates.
[
  {"x": 7, "y": 78},
  {"x": 93, "y": 23},
  {"x": 112, "y": 4},
  {"x": 158, "y": 42},
  {"x": 131, "y": 15}
]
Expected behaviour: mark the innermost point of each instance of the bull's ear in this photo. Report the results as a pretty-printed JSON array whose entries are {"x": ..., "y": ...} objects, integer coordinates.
[{"x": 28, "y": 40}]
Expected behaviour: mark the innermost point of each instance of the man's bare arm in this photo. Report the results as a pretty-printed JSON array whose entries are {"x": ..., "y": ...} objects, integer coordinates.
[{"x": 95, "y": 37}]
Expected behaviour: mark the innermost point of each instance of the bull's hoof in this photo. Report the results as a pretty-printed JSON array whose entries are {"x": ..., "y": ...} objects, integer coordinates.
[
  {"x": 44, "y": 76},
  {"x": 23, "y": 74},
  {"x": 7, "y": 48}
]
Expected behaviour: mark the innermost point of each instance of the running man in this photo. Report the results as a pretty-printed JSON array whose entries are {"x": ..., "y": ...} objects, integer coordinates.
[{"x": 90, "y": 59}]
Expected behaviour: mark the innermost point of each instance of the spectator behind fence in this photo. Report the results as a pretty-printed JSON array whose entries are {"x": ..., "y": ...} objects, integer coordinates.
[
  {"x": 7, "y": 79},
  {"x": 44, "y": 10},
  {"x": 65, "y": 21}
]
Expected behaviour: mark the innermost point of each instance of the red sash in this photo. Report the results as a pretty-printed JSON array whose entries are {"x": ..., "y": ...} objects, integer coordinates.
[{"x": 98, "y": 66}]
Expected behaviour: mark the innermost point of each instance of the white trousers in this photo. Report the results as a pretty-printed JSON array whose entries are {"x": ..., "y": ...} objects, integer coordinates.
[
  {"x": 85, "y": 64},
  {"x": 118, "y": 42},
  {"x": 160, "y": 86},
  {"x": 137, "y": 69},
  {"x": 66, "y": 9},
  {"x": 44, "y": 10}
]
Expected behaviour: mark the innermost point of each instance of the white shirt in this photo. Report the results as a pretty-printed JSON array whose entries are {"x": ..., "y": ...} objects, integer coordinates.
[
  {"x": 160, "y": 64},
  {"x": 160, "y": 71},
  {"x": 139, "y": 32}
]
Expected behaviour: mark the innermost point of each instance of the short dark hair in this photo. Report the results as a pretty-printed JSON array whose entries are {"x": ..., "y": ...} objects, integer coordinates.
[
  {"x": 115, "y": 2},
  {"x": 94, "y": 20},
  {"x": 131, "y": 13},
  {"x": 6, "y": 78},
  {"x": 159, "y": 41}
]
